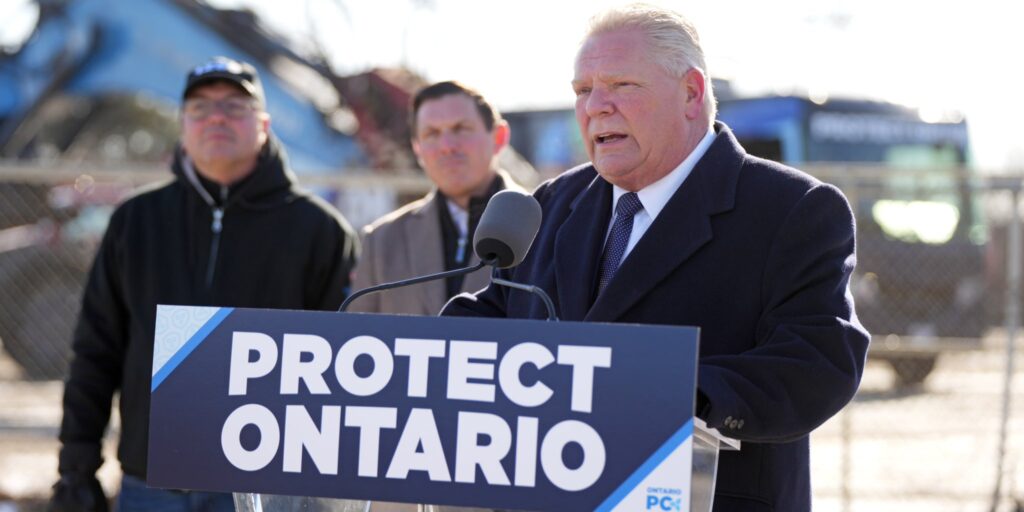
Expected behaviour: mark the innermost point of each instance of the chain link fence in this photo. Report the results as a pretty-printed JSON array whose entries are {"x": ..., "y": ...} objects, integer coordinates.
[
  {"x": 938, "y": 424},
  {"x": 51, "y": 222}
]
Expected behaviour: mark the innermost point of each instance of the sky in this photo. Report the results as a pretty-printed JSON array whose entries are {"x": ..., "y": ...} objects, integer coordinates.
[{"x": 941, "y": 56}]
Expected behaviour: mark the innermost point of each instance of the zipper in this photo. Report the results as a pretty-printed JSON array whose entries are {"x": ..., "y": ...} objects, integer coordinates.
[{"x": 216, "y": 226}]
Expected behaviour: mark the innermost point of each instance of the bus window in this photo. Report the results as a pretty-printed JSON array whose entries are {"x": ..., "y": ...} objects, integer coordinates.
[{"x": 921, "y": 207}]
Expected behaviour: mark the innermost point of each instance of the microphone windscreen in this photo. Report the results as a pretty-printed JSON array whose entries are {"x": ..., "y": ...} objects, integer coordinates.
[{"x": 507, "y": 228}]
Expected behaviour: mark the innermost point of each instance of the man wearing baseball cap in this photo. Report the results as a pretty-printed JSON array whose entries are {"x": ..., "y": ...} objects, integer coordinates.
[{"x": 232, "y": 229}]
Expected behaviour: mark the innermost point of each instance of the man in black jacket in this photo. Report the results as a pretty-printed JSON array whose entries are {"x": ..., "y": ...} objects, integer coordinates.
[{"x": 232, "y": 229}]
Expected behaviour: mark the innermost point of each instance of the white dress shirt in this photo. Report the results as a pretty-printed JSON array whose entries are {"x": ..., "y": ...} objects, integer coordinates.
[{"x": 655, "y": 196}]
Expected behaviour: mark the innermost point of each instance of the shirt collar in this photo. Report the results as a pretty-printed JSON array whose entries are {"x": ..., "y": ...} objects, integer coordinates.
[
  {"x": 655, "y": 196},
  {"x": 459, "y": 216}
]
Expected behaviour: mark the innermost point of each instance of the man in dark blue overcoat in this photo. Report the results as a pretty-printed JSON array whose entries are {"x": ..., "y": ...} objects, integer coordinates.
[{"x": 673, "y": 223}]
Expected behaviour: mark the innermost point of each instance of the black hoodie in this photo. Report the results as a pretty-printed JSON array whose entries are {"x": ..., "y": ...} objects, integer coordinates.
[{"x": 273, "y": 246}]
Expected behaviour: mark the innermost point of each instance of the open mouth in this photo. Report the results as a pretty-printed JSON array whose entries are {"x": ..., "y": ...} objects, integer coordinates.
[{"x": 608, "y": 138}]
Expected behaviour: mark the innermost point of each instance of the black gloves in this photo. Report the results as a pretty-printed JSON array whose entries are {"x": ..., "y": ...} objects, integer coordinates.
[{"x": 77, "y": 492}]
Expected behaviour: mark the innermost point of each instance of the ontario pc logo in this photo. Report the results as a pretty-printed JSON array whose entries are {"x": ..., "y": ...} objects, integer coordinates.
[{"x": 667, "y": 500}]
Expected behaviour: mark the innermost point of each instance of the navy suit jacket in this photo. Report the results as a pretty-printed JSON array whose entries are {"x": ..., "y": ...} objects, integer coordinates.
[{"x": 756, "y": 254}]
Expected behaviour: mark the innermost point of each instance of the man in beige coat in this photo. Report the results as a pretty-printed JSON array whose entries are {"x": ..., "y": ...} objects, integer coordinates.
[{"x": 456, "y": 135}]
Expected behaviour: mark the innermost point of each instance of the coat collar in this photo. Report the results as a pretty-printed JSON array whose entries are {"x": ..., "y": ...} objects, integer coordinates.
[
  {"x": 270, "y": 184},
  {"x": 682, "y": 227},
  {"x": 425, "y": 254}
]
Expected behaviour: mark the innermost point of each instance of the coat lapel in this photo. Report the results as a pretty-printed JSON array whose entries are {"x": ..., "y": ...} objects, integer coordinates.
[
  {"x": 424, "y": 254},
  {"x": 682, "y": 227},
  {"x": 578, "y": 248}
]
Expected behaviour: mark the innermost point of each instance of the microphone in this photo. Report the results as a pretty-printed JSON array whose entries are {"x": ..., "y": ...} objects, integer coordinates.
[
  {"x": 503, "y": 237},
  {"x": 505, "y": 242},
  {"x": 507, "y": 228}
]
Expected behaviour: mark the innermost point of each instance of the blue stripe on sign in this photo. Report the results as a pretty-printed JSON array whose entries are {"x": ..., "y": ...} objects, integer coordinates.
[
  {"x": 680, "y": 437},
  {"x": 189, "y": 346}
]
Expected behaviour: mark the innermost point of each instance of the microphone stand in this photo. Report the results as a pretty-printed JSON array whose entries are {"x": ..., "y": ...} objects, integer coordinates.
[
  {"x": 536, "y": 290},
  {"x": 415, "y": 280}
]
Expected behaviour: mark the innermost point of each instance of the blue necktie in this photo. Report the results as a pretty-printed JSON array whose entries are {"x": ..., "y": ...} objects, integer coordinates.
[{"x": 618, "y": 238}]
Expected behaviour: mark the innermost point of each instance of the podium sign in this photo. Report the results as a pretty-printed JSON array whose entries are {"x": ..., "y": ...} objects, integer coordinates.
[{"x": 518, "y": 414}]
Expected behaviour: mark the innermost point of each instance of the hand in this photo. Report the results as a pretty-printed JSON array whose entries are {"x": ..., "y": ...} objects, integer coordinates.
[{"x": 77, "y": 492}]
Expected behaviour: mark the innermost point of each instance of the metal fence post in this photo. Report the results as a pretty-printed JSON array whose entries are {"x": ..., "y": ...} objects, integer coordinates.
[
  {"x": 1013, "y": 272},
  {"x": 846, "y": 427},
  {"x": 850, "y": 188}
]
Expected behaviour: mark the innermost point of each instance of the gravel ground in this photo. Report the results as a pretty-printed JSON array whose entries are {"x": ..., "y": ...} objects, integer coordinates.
[{"x": 30, "y": 415}]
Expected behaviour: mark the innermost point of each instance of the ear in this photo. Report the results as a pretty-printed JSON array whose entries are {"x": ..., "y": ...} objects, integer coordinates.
[
  {"x": 694, "y": 86},
  {"x": 502, "y": 134},
  {"x": 265, "y": 121}
]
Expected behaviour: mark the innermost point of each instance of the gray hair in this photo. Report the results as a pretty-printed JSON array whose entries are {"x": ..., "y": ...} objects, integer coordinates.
[{"x": 672, "y": 37}]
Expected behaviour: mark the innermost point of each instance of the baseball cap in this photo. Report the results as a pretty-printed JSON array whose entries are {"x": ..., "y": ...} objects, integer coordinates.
[{"x": 222, "y": 68}]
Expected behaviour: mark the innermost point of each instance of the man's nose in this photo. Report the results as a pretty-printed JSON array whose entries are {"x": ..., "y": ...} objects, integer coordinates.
[
  {"x": 217, "y": 115},
  {"x": 599, "y": 102},
  {"x": 449, "y": 141}
]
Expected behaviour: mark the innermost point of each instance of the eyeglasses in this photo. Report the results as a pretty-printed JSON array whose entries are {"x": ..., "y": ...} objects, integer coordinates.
[{"x": 197, "y": 109}]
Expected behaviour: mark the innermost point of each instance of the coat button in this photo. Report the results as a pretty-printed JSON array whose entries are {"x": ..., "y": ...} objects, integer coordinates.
[
  {"x": 728, "y": 419},
  {"x": 740, "y": 426},
  {"x": 733, "y": 423}
]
